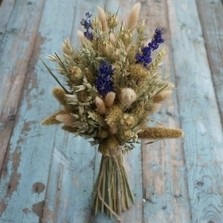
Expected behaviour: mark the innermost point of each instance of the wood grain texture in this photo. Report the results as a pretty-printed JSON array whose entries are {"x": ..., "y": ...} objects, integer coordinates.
[
  {"x": 18, "y": 44},
  {"x": 165, "y": 189},
  {"x": 211, "y": 16},
  {"x": 6, "y": 9},
  {"x": 199, "y": 114},
  {"x": 70, "y": 184}
]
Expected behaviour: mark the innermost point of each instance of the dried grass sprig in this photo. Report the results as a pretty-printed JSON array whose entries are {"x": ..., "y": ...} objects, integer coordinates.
[
  {"x": 102, "y": 18},
  {"x": 55, "y": 78},
  {"x": 160, "y": 133},
  {"x": 133, "y": 16}
]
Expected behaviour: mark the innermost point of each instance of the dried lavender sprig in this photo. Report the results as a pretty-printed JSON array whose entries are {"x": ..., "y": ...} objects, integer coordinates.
[
  {"x": 103, "y": 82},
  {"x": 145, "y": 57},
  {"x": 87, "y": 24}
]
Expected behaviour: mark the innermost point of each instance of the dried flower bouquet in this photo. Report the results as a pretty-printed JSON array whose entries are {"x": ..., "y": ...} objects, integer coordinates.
[{"x": 113, "y": 84}]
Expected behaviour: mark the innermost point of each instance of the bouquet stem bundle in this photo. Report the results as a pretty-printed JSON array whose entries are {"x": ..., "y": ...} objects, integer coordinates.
[{"x": 112, "y": 193}]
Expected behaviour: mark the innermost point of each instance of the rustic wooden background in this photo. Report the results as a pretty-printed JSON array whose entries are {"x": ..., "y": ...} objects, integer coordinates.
[{"x": 47, "y": 175}]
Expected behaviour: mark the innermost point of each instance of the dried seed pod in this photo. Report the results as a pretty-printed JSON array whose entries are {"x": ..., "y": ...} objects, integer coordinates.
[
  {"x": 128, "y": 134},
  {"x": 52, "y": 119},
  {"x": 126, "y": 37},
  {"x": 75, "y": 74},
  {"x": 161, "y": 96},
  {"x": 127, "y": 96},
  {"x": 112, "y": 21},
  {"x": 109, "y": 99},
  {"x": 138, "y": 72},
  {"x": 100, "y": 105},
  {"x": 67, "y": 119},
  {"x": 128, "y": 120},
  {"x": 113, "y": 115},
  {"x": 59, "y": 94}
]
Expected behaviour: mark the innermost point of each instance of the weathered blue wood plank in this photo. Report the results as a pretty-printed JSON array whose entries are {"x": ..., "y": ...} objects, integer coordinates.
[
  {"x": 211, "y": 15},
  {"x": 24, "y": 181},
  {"x": 203, "y": 142},
  {"x": 6, "y": 9},
  {"x": 16, "y": 50},
  {"x": 164, "y": 173},
  {"x": 70, "y": 183}
]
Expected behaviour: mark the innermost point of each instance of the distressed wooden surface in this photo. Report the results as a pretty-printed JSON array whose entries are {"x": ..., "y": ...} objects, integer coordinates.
[
  {"x": 199, "y": 114},
  {"x": 47, "y": 175},
  {"x": 5, "y": 13},
  {"x": 213, "y": 35},
  {"x": 16, "y": 50},
  {"x": 164, "y": 173}
]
